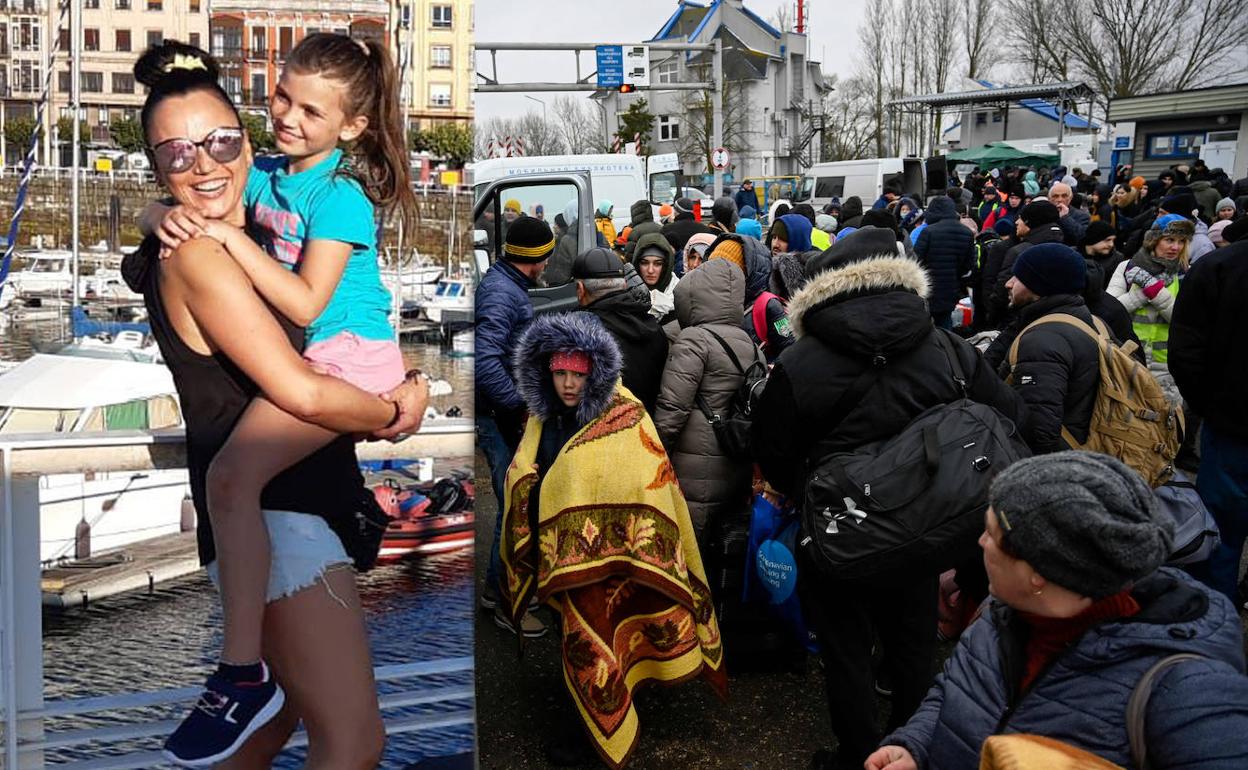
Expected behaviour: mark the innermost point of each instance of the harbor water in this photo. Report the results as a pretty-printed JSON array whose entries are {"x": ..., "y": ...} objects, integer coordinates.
[{"x": 417, "y": 609}]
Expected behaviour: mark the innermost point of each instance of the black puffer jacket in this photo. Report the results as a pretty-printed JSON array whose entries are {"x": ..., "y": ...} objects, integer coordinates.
[
  {"x": 1057, "y": 373},
  {"x": 642, "y": 342},
  {"x": 851, "y": 213},
  {"x": 999, "y": 299},
  {"x": 679, "y": 231},
  {"x": 946, "y": 248},
  {"x": 844, "y": 319}
]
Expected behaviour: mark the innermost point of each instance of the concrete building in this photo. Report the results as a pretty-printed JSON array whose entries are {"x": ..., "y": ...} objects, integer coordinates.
[
  {"x": 113, "y": 34},
  {"x": 1019, "y": 123},
  {"x": 1156, "y": 131},
  {"x": 434, "y": 38},
  {"x": 774, "y": 88}
]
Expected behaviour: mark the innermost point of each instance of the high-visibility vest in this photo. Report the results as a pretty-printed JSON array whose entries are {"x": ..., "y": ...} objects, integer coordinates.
[{"x": 1153, "y": 330}]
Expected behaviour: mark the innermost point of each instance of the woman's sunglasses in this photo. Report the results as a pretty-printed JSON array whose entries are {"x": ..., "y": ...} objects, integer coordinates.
[{"x": 174, "y": 156}]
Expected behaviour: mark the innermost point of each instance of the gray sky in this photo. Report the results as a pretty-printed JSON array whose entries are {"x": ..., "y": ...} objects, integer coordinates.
[{"x": 833, "y": 29}]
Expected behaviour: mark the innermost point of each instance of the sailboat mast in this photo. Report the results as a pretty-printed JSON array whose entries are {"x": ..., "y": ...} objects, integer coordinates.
[{"x": 75, "y": 47}]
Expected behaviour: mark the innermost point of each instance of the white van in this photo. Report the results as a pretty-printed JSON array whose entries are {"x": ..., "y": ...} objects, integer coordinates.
[
  {"x": 621, "y": 179},
  {"x": 864, "y": 178}
]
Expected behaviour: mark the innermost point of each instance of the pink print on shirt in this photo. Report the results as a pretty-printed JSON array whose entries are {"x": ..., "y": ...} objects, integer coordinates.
[{"x": 284, "y": 227}]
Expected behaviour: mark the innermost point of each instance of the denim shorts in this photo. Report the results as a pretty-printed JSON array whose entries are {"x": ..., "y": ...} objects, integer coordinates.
[{"x": 302, "y": 549}]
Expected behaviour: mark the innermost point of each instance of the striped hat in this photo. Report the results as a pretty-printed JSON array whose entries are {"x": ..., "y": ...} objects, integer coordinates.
[{"x": 530, "y": 240}]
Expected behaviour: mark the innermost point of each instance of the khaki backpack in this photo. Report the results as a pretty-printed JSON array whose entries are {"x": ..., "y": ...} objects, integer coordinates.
[{"x": 1131, "y": 418}]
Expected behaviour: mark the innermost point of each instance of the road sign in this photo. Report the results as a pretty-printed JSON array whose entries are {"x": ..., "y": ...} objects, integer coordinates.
[
  {"x": 610, "y": 65},
  {"x": 637, "y": 66},
  {"x": 719, "y": 159}
]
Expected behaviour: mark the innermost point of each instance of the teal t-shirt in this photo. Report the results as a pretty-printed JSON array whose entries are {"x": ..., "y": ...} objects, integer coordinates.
[{"x": 289, "y": 210}]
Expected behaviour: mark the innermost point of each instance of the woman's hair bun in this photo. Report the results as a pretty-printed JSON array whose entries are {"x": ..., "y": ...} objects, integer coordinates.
[{"x": 172, "y": 59}]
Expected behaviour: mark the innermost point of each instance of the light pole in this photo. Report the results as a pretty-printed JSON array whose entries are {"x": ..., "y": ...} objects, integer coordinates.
[{"x": 539, "y": 101}]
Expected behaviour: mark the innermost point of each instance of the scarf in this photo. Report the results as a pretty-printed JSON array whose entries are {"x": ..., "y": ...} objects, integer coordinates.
[
  {"x": 1167, "y": 270},
  {"x": 1050, "y": 636},
  {"x": 613, "y": 552}
]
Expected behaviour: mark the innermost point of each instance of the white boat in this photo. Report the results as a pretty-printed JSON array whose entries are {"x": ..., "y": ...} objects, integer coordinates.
[
  {"x": 96, "y": 387},
  {"x": 49, "y": 274},
  {"x": 452, "y": 301}
]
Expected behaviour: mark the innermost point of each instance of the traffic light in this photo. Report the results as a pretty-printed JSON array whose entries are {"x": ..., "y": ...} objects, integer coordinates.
[{"x": 627, "y": 88}]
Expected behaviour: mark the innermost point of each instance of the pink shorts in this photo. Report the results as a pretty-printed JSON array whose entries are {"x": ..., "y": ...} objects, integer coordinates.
[{"x": 372, "y": 365}]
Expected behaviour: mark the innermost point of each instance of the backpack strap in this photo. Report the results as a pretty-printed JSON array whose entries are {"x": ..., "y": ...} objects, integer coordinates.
[
  {"x": 732, "y": 356},
  {"x": 1137, "y": 706},
  {"x": 1100, "y": 333},
  {"x": 959, "y": 375},
  {"x": 758, "y": 315}
]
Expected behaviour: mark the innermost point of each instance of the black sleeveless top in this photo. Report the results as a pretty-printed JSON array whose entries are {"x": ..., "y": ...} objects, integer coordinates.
[{"x": 214, "y": 392}]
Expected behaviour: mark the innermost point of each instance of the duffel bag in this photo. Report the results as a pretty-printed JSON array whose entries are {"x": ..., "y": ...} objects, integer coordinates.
[{"x": 913, "y": 501}]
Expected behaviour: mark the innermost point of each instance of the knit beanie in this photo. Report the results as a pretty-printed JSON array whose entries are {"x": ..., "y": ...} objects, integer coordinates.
[
  {"x": 749, "y": 212},
  {"x": 1004, "y": 227},
  {"x": 529, "y": 241},
  {"x": 1215, "y": 231},
  {"x": 1136, "y": 182},
  {"x": 1051, "y": 268},
  {"x": 825, "y": 222},
  {"x": 731, "y": 250},
  {"x": 1083, "y": 520},
  {"x": 572, "y": 361},
  {"x": 684, "y": 206},
  {"x": 1183, "y": 203},
  {"x": 724, "y": 210},
  {"x": 665, "y": 210},
  {"x": 1096, "y": 232},
  {"x": 779, "y": 230},
  {"x": 1225, "y": 203},
  {"x": 1038, "y": 213}
]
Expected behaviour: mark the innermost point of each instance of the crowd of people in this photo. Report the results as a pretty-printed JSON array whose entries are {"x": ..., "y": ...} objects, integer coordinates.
[{"x": 824, "y": 332}]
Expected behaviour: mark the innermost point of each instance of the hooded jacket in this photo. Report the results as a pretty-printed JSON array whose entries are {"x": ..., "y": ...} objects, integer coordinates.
[
  {"x": 1030, "y": 186},
  {"x": 662, "y": 305},
  {"x": 798, "y": 229},
  {"x": 757, "y": 280},
  {"x": 946, "y": 250},
  {"x": 1057, "y": 374},
  {"x": 1207, "y": 197},
  {"x": 503, "y": 310},
  {"x": 844, "y": 319},
  {"x": 851, "y": 214},
  {"x": 677, "y": 231},
  {"x": 643, "y": 346},
  {"x": 1197, "y": 717},
  {"x": 706, "y": 301},
  {"x": 642, "y": 223}
]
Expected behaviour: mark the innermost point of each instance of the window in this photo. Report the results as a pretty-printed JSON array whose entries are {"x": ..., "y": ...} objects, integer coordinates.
[
  {"x": 285, "y": 40},
  {"x": 90, "y": 40},
  {"x": 101, "y": 116},
  {"x": 123, "y": 83},
  {"x": 63, "y": 82},
  {"x": 829, "y": 186},
  {"x": 1178, "y": 145},
  {"x": 123, "y": 40},
  {"x": 62, "y": 39},
  {"x": 194, "y": 39},
  {"x": 668, "y": 71},
  {"x": 405, "y": 17},
  {"x": 259, "y": 42},
  {"x": 121, "y": 5},
  {"x": 91, "y": 5},
  {"x": 26, "y": 35},
  {"x": 441, "y": 16},
  {"x": 259, "y": 88},
  {"x": 981, "y": 118},
  {"x": 669, "y": 128},
  {"x": 92, "y": 82},
  {"x": 155, "y": 5},
  {"x": 27, "y": 77},
  {"x": 440, "y": 56},
  {"x": 439, "y": 94},
  {"x": 155, "y": 37},
  {"x": 194, "y": 6}
]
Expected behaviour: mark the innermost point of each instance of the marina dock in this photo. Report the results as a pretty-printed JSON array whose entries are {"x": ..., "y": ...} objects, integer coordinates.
[{"x": 140, "y": 566}]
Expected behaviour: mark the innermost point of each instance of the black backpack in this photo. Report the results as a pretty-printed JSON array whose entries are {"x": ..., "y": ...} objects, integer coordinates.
[
  {"x": 732, "y": 428},
  {"x": 914, "y": 501}
]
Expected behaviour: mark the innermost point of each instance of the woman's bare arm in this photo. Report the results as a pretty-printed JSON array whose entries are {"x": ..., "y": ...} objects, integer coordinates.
[{"x": 234, "y": 319}]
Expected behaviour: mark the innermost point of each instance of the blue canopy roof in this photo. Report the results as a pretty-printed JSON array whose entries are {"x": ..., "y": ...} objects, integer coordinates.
[{"x": 1041, "y": 107}]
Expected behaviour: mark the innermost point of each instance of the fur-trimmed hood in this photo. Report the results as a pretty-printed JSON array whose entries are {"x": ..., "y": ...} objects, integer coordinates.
[
  {"x": 878, "y": 274},
  {"x": 549, "y": 334}
]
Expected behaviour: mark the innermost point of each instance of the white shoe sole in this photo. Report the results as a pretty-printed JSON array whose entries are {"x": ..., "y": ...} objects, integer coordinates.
[{"x": 263, "y": 717}]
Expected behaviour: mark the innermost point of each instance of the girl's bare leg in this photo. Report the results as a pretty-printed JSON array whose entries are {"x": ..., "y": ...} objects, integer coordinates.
[{"x": 265, "y": 442}]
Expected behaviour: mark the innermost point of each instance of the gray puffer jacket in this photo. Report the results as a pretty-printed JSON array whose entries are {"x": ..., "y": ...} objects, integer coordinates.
[
  {"x": 1197, "y": 717},
  {"x": 707, "y": 299}
]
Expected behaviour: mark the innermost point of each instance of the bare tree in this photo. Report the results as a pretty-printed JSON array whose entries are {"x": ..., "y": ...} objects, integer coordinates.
[
  {"x": 849, "y": 132},
  {"x": 943, "y": 17},
  {"x": 975, "y": 15},
  {"x": 782, "y": 19},
  {"x": 579, "y": 124},
  {"x": 540, "y": 136},
  {"x": 697, "y": 133},
  {"x": 873, "y": 40}
]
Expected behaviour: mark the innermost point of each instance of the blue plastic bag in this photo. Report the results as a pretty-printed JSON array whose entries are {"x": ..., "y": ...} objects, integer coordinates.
[{"x": 771, "y": 566}]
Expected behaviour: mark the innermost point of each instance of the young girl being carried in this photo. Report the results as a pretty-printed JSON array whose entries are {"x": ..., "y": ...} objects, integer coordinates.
[{"x": 313, "y": 210}]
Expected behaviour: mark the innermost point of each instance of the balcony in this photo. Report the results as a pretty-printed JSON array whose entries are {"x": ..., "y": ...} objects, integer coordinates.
[{"x": 23, "y": 6}]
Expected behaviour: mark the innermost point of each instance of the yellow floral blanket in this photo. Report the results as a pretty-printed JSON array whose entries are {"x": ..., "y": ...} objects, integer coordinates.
[{"x": 614, "y": 553}]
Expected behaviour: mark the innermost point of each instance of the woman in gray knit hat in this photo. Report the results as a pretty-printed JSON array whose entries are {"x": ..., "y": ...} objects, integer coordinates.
[{"x": 1081, "y": 607}]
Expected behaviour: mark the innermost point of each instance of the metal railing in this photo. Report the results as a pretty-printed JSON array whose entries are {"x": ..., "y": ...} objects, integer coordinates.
[{"x": 23, "y": 710}]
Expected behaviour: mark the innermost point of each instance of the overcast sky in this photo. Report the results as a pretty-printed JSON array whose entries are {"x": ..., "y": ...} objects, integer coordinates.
[{"x": 832, "y": 28}]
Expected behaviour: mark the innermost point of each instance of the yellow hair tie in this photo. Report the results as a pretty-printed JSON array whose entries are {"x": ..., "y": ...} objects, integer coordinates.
[{"x": 185, "y": 62}]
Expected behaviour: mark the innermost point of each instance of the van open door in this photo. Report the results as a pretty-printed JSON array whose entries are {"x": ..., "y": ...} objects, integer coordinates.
[
  {"x": 663, "y": 178},
  {"x": 557, "y": 193},
  {"x": 937, "y": 175}
]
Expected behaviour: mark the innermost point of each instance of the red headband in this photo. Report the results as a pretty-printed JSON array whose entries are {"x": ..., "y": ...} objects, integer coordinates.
[{"x": 572, "y": 361}]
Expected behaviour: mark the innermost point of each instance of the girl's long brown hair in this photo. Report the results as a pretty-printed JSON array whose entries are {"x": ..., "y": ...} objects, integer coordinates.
[{"x": 378, "y": 157}]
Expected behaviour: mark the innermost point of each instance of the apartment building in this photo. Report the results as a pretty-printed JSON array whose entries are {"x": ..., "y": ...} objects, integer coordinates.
[
  {"x": 114, "y": 33},
  {"x": 434, "y": 43}
]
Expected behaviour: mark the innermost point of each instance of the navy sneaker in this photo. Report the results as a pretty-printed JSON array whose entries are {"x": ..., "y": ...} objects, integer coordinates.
[{"x": 227, "y": 714}]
